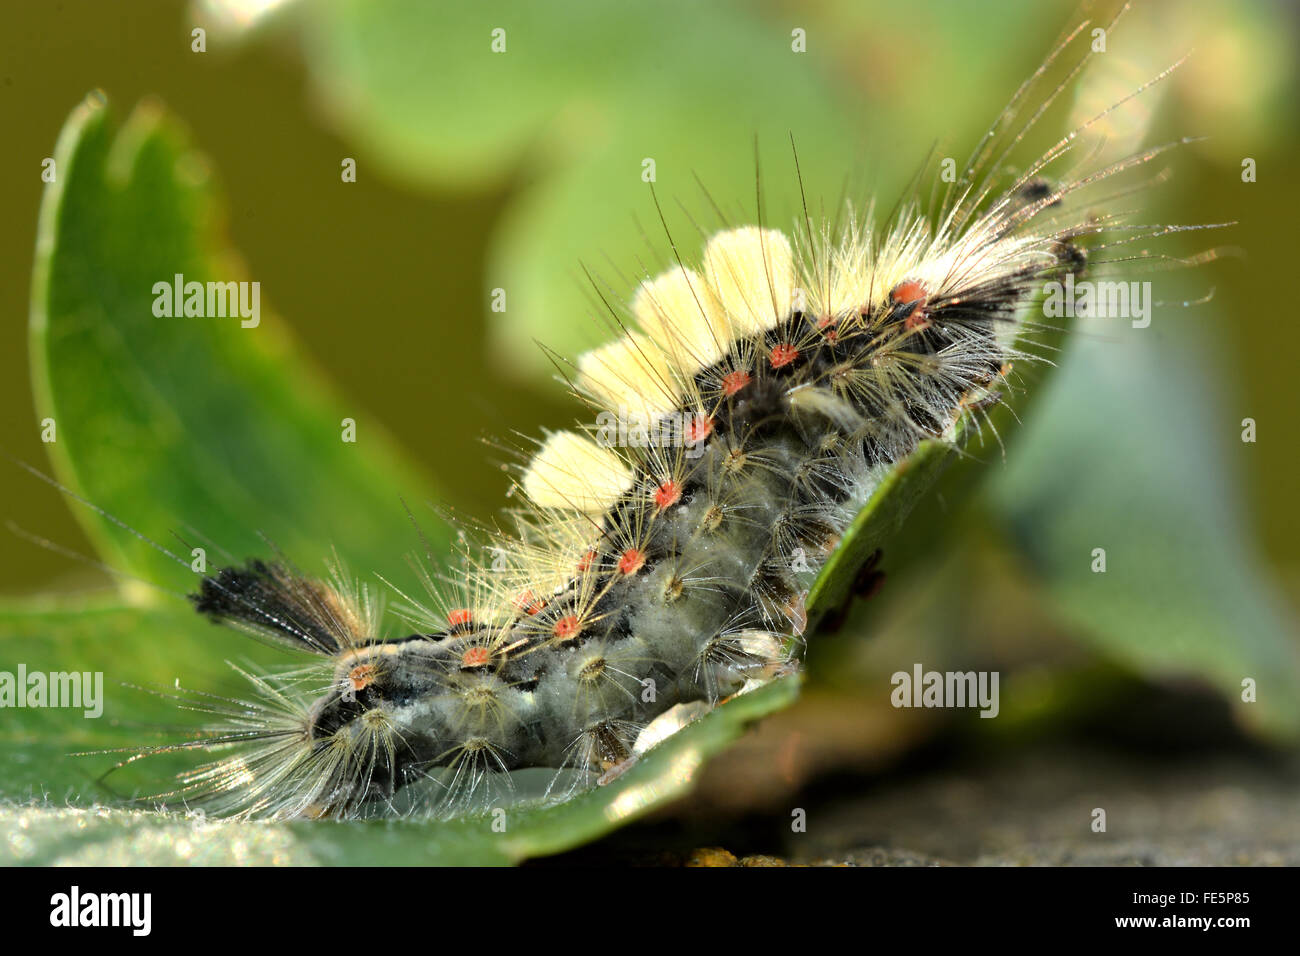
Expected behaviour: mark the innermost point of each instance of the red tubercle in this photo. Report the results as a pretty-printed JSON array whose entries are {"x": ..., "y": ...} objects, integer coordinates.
[
  {"x": 912, "y": 292},
  {"x": 909, "y": 290},
  {"x": 459, "y": 616},
  {"x": 782, "y": 355},
  {"x": 567, "y": 627},
  {"x": 529, "y": 603},
  {"x": 667, "y": 495},
  {"x": 632, "y": 561},
  {"x": 586, "y": 561},
  {"x": 733, "y": 382},
  {"x": 700, "y": 428},
  {"x": 475, "y": 657},
  {"x": 361, "y": 676}
]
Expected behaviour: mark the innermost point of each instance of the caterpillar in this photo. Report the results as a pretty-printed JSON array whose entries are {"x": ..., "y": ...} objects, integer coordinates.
[{"x": 656, "y": 560}]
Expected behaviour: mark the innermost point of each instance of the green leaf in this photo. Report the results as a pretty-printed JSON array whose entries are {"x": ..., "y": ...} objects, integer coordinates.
[
  {"x": 186, "y": 421},
  {"x": 1134, "y": 454},
  {"x": 143, "y": 647}
]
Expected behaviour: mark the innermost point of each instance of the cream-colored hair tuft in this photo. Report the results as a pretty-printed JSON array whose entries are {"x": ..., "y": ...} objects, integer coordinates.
[
  {"x": 572, "y": 472},
  {"x": 751, "y": 272}
]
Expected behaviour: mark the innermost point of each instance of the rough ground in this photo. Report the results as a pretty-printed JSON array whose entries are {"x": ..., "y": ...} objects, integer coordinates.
[{"x": 1027, "y": 807}]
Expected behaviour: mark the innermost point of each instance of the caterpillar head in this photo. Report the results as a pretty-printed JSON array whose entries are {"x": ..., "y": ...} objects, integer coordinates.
[{"x": 366, "y": 735}]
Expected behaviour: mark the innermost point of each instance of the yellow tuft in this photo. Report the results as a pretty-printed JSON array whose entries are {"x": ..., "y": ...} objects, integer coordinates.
[
  {"x": 573, "y": 472},
  {"x": 630, "y": 373},
  {"x": 677, "y": 310},
  {"x": 751, "y": 272}
]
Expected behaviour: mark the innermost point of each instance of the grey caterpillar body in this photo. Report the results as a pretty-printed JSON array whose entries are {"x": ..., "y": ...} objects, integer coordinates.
[
  {"x": 677, "y": 574},
  {"x": 783, "y": 380}
]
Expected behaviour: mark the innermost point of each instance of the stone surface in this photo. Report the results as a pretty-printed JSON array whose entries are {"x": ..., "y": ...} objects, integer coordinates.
[{"x": 1024, "y": 808}]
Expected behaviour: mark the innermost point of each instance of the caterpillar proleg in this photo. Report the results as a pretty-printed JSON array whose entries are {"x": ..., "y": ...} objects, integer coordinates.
[{"x": 657, "y": 558}]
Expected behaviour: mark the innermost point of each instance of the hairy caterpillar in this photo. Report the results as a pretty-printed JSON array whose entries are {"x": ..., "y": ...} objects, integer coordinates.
[{"x": 790, "y": 372}]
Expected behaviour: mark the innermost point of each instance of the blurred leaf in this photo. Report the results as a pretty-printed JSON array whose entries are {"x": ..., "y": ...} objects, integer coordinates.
[
  {"x": 1133, "y": 453},
  {"x": 169, "y": 421},
  {"x": 584, "y": 94}
]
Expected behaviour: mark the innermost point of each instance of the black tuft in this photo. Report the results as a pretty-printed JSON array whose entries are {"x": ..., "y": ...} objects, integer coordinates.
[{"x": 272, "y": 601}]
